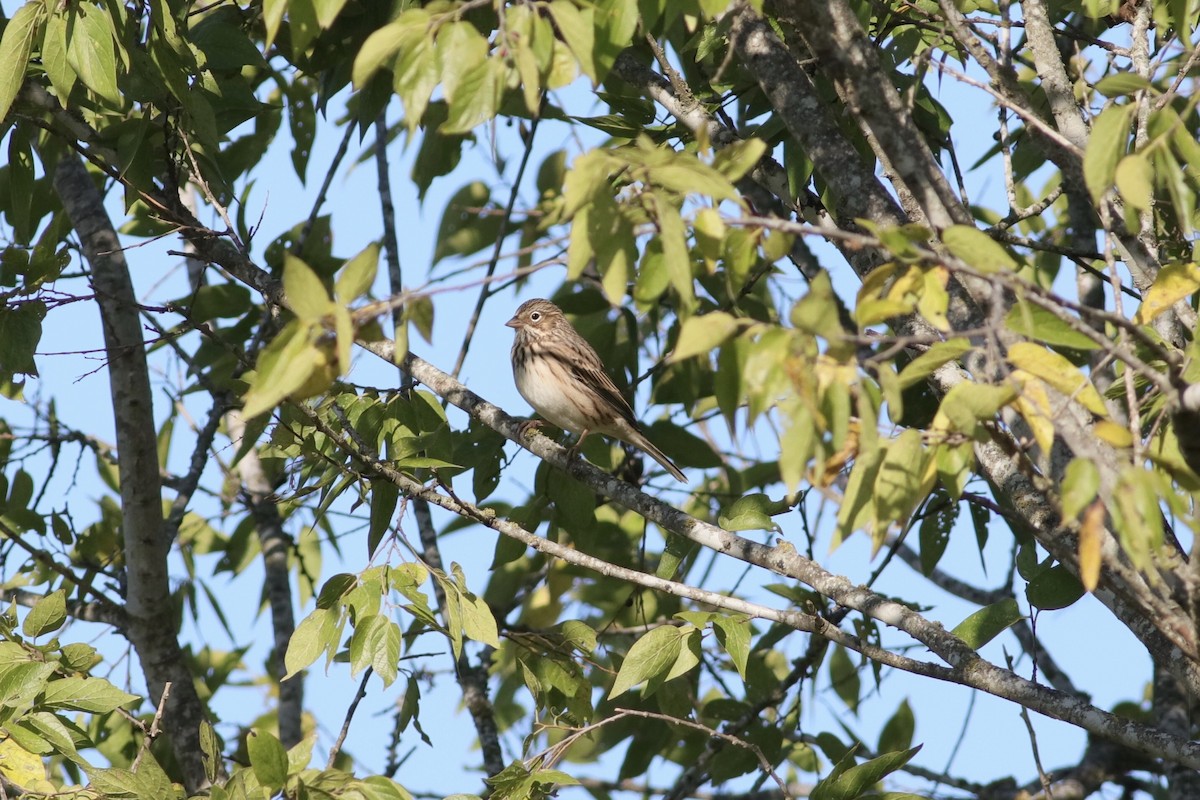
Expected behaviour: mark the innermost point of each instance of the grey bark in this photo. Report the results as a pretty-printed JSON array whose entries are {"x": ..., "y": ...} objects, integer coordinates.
[{"x": 149, "y": 605}]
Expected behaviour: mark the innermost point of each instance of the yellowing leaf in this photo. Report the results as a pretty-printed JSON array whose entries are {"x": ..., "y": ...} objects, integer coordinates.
[
  {"x": 1091, "y": 535},
  {"x": 23, "y": 768},
  {"x": 1114, "y": 434},
  {"x": 874, "y": 311},
  {"x": 1033, "y": 403},
  {"x": 1058, "y": 372},
  {"x": 1175, "y": 282},
  {"x": 934, "y": 300}
]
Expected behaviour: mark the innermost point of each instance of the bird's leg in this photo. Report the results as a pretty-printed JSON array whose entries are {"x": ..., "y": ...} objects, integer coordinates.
[
  {"x": 528, "y": 425},
  {"x": 573, "y": 450}
]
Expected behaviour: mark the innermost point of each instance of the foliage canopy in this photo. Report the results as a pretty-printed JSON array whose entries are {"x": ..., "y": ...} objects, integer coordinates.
[{"x": 760, "y": 201}]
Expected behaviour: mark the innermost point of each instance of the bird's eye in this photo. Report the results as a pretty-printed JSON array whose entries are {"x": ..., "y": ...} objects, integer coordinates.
[{"x": 535, "y": 316}]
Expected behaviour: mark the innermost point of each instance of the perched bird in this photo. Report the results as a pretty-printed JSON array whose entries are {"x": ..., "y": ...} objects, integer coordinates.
[{"x": 562, "y": 377}]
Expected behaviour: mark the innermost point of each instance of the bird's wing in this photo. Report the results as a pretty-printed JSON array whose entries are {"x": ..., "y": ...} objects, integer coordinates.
[{"x": 590, "y": 371}]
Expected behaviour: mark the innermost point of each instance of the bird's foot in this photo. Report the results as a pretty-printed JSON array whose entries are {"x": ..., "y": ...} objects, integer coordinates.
[{"x": 528, "y": 425}]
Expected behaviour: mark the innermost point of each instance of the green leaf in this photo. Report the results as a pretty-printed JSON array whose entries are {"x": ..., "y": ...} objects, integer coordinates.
[
  {"x": 1110, "y": 131},
  {"x": 117, "y": 783},
  {"x": 579, "y": 635},
  {"x": 479, "y": 624},
  {"x": 376, "y": 643},
  {"x": 221, "y": 300},
  {"x": 934, "y": 533},
  {"x": 476, "y": 99},
  {"x": 21, "y": 682},
  {"x": 80, "y": 657},
  {"x": 327, "y": 11},
  {"x": 47, "y": 615},
  {"x": 857, "y": 508},
  {"x": 460, "y": 49},
  {"x": 464, "y": 229},
  {"x": 283, "y": 367},
  {"x": 1059, "y": 373},
  {"x": 968, "y": 404},
  {"x": 1121, "y": 83},
  {"x": 272, "y": 18},
  {"x": 306, "y": 295},
  {"x": 856, "y": 780},
  {"x": 1041, "y": 324},
  {"x": 90, "y": 52},
  {"x": 739, "y": 158},
  {"x": 796, "y": 449},
  {"x": 751, "y": 512},
  {"x": 15, "y": 50},
  {"x": 928, "y": 362},
  {"x": 675, "y": 250},
  {"x": 54, "y": 58},
  {"x": 1053, "y": 589},
  {"x": 843, "y": 675},
  {"x": 1081, "y": 484},
  {"x": 335, "y": 588},
  {"x": 384, "y": 496},
  {"x": 651, "y": 656},
  {"x": 51, "y": 729},
  {"x": 20, "y": 333},
  {"x": 978, "y": 249},
  {"x": 576, "y": 27},
  {"x": 378, "y": 50},
  {"x": 416, "y": 76},
  {"x": 703, "y": 334},
  {"x": 987, "y": 623},
  {"x": 85, "y": 694},
  {"x": 1135, "y": 181},
  {"x": 903, "y": 481},
  {"x": 733, "y": 634},
  {"x": 268, "y": 759},
  {"x": 897, "y": 733},
  {"x": 315, "y": 634},
  {"x": 817, "y": 311}
]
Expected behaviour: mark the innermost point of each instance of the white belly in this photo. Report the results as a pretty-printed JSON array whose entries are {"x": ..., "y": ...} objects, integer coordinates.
[{"x": 541, "y": 391}]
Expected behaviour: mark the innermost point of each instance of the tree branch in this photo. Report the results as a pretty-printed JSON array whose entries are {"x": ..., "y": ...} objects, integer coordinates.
[{"x": 151, "y": 626}]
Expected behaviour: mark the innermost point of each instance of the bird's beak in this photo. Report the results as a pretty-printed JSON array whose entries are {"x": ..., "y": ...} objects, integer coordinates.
[{"x": 513, "y": 323}]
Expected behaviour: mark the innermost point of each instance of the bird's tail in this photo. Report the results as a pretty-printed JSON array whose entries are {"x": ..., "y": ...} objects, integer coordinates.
[{"x": 639, "y": 440}]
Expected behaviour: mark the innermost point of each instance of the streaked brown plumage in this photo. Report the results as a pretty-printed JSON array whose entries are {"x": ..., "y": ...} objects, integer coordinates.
[{"x": 563, "y": 378}]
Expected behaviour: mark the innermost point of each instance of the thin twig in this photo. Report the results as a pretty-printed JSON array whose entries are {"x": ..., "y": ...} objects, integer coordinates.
[
  {"x": 486, "y": 291},
  {"x": 358, "y": 696},
  {"x": 153, "y": 732}
]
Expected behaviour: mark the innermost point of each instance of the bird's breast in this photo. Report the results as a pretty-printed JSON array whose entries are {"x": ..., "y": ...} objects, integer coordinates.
[{"x": 547, "y": 387}]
